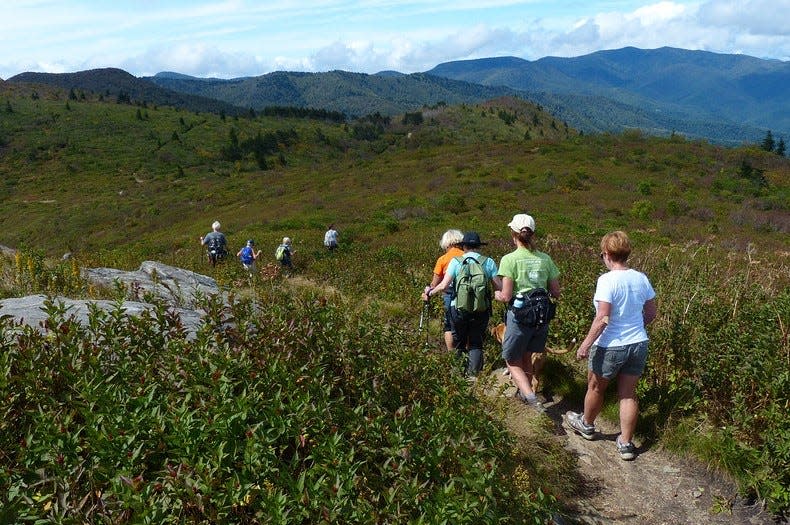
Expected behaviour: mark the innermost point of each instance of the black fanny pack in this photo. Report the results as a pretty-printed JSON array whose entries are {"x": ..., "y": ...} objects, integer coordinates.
[{"x": 538, "y": 309}]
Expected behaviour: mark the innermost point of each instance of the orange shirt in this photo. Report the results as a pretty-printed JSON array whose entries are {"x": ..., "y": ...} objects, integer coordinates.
[{"x": 444, "y": 261}]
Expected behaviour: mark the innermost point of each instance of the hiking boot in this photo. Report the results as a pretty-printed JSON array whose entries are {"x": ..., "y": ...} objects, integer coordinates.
[
  {"x": 627, "y": 451},
  {"x": 530, "y": 401},
  {"x": 576, "y": 422}
]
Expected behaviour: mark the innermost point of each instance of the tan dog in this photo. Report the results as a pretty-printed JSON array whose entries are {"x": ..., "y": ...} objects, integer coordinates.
[{"x": 538, "y": 359}]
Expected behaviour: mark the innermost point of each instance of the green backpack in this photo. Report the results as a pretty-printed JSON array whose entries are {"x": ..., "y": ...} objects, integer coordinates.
[{"x": 472, "y": 294}]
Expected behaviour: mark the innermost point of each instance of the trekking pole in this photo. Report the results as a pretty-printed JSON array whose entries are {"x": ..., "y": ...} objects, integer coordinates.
[{"x": 424, "y": 314}]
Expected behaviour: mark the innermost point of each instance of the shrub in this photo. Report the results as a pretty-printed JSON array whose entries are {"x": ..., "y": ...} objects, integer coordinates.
[{"x": 299, "y": 413}]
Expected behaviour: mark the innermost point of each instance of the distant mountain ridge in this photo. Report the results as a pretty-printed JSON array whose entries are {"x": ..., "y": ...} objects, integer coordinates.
[
  {"x": 354, "y": 94},
  {"x": 728, "y": 99},
  {"x": 113, "y": 81},
  {"x": 735, "y": 90}
]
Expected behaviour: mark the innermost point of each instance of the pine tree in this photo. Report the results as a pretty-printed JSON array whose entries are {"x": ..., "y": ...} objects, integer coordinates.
[
  {"x": 768, "y": 141},
  {"x": 780, "y": 147}
]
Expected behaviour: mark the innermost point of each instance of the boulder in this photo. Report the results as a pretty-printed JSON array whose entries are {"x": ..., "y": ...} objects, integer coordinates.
[
  {"x": 182, "y": 290},
  {"x": 176, "y": 286},
  {"x": 30, "y": 310}
]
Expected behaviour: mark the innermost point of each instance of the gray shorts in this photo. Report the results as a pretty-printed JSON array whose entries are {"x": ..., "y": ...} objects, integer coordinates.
[
  {"x": 628, "y": 359},
  {"x": 520, "y": 339}
]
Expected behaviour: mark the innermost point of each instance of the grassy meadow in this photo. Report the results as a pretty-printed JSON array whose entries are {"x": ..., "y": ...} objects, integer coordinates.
[{"x": 325, "y": 401}]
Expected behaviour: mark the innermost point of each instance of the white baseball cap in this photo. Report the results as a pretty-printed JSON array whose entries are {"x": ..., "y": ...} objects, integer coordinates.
[{"x": 521, "y": 221}]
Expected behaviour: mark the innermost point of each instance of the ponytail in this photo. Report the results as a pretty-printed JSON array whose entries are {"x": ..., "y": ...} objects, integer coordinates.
[{"x": 525, "y": 237}]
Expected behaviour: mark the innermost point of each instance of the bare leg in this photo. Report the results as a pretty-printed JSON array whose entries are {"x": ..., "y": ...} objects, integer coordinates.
[
  {"x": 519, "y": 375},
  {"x": 629, "y": 407},
  {"x": 593, "y": 400},
  {"x": 448, "y": 340}
]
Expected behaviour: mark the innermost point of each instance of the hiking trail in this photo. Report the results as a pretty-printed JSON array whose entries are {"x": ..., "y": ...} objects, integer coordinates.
[{"x": 657, "y": 488}]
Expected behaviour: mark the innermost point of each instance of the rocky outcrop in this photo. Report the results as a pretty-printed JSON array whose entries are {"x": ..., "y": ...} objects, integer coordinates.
[
  {"x": 175, "y": 286},
  {"x": 31, "y": 311},
  {"x": 182, "y": 290}
]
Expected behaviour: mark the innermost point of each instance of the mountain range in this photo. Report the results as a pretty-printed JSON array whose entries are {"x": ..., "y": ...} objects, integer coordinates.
[{"x": 724, "y": 98}]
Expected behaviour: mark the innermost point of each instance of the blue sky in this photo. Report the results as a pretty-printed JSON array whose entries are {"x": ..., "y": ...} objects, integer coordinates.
[{"x": 234, "y": 38}]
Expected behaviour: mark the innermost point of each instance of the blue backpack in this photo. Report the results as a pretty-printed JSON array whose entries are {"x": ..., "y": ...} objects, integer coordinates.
[{"x": 246, "y": 255}]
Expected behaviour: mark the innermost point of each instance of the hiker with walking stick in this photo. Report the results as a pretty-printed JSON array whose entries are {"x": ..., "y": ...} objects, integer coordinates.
[
  {"x": 450, "y": 243},
  {"x": 471, "y": 305}
]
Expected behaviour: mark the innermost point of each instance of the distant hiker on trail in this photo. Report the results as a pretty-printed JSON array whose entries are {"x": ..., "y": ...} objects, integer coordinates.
[
  {"x": 451, "y": 244},
  {"x": 283, "y": 254},
  {"x": 248, "y": 255},
  {"x": 470, "y": 309},
  {"x": 215, "y": 243},
  {"x": 616, "y": 345},
  {"x": 330, "y": 238},
  {"x": 529, "y": 277}
]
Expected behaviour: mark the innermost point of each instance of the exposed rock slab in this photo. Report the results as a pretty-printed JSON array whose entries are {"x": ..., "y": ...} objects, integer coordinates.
[
  {"x": 182, "y": 290},
  {"x": 30, "y": 311},
  {"x": 176, "y": 286}
]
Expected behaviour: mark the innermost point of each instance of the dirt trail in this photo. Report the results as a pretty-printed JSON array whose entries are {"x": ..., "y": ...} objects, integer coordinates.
[{"x": 657, "y": 488}]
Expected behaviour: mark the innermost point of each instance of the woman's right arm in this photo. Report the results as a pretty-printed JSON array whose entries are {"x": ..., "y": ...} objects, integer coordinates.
[{"x": 603, "y": 310}]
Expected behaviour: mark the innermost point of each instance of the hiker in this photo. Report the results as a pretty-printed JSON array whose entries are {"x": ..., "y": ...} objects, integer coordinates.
[
  {"x": 451, "y": 244},
  {"x": 470, "y": 308},
  {"x": 616, "y": 344},
  {"x": 330, "y": 238},
  {"x": 215, "y": 243},
  {"x": 283, "y": 254},
  {"x": 247, "y": 255},
  {"x": 529, "y": 277}
]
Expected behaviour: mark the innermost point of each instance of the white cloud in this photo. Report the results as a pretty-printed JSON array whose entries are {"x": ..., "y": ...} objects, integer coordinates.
[
  {"x": 755, "y": 17},
  {"x": 194, "y": 59},
  {"x": 230, "y": 38}
]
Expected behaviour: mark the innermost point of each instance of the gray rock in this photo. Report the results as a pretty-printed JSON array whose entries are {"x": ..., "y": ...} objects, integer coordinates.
[
  {"x": 30, "y": 311},
  {"x": 175, "y": 286},
  {"x": 181, "y": 290}
]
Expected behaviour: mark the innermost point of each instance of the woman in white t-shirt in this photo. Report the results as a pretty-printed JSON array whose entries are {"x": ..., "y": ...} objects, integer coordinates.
[{"x": 616, "y": 344}]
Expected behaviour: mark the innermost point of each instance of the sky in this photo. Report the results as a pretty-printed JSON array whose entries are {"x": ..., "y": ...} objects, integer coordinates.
[{"x": 240, "y": 38}]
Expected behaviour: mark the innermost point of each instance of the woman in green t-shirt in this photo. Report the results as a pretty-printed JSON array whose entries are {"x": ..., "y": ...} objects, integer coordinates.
[{"x": 523, "y": 270}]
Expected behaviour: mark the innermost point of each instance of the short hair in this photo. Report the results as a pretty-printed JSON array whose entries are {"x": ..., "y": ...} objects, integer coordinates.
[
  {"x": 617, "y": 245},
  {"x": 215, "y": 225},
  {"x": 286, "y": 240},
  {"x": 450, "y": 238}
]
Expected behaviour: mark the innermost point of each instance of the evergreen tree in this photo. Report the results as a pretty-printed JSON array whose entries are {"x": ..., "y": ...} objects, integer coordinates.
[
  {"x": 780, "y": 147},
  {"x": 768, "y": 142}
]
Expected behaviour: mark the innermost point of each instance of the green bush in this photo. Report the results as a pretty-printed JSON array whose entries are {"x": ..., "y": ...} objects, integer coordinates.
[{"x": 296, "y": 413}]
